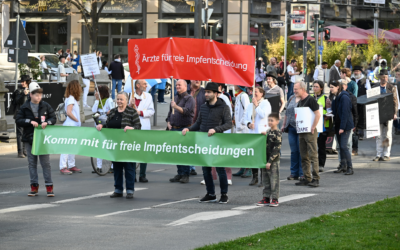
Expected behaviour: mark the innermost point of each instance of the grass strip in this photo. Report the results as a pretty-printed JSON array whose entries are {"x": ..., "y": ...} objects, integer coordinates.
[{"x": 374, "y": 226}]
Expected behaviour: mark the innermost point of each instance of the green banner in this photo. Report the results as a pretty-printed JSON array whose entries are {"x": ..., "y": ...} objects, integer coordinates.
[{"x": 153, "y": 146}]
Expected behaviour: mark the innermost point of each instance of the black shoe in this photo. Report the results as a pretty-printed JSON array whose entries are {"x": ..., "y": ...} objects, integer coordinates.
[
  {"x": 340, "y": 169},
  {"x": 321, "y": 169},
  {"x": 354, "y": 152},
  {"x": 224, "y": 199},
  {"x": 193, "y": 172},
  {"x": 129, "y": 196},
  {"x": 143, "y": 179},
  {"x": 302, "y": 182},
  {"x": 99, "y": 169},
  {"x": 21, "y": 155},
  {"x": 254, "y": 181},
  {"x": 209, "y": 198},
  {"x": 177, "y": 178},
  {"x": 314, "y": 183},
  {"x": 184, "y": 179},
  {"x": 115, "y": 195},
  {"x": 25, "y": 153},
  {"x": 135, "y": 179},
  {"x": 291, "y": 177},
  {"x": 349, "y": 171}
]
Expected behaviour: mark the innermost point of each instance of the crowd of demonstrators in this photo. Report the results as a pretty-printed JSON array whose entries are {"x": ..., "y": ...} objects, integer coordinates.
[
  {"x": 219, "y": 122},
  {"x": 117, "y": 74},
  {"x": 72, "y": 94},
  {"x": 102, "y": 105},
  {"x": 292, "y": 73},
  {"x": 325, "y": 102},
  {"x": 33, "y": 113},
  {"x": 272, "y": 87},
  {"x": 334, "y": 72},
  {"x": 19, "y": 98},
  {"x": 142, "y": 102},
  {"x": 261, "y": 108},
  {"x": 343, "y": 119},
  {"x": 308, "y": 141},
  {"x": 270, "y": 175},
  {"x": 126, "y": 118},
  {"x": 182, "y": 117},
  {"x": 384, "y": 141},
  {"x": 260, "y": 75}
]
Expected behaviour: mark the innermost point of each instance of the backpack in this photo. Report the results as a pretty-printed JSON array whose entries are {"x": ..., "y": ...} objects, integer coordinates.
[
  {"x": 287, "y": 77},
  {"x": 60, "y": 112}
]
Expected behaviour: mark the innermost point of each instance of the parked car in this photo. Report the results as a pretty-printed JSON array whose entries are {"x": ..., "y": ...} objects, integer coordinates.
[{"x": 51, "y": 61}]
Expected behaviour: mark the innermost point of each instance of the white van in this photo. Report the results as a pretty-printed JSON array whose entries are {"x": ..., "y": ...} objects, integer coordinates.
[{"x": 51, "y": 60}]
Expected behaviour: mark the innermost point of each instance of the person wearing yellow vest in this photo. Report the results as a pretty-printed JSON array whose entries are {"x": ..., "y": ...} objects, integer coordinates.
[{"x": 322, "y": 100}]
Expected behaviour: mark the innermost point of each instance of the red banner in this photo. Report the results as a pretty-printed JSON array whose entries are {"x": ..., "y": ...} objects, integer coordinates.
[{"x": 191, "y": 59}]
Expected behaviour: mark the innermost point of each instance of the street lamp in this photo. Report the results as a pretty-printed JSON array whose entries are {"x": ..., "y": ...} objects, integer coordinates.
[{"x": 376, "y": 26}]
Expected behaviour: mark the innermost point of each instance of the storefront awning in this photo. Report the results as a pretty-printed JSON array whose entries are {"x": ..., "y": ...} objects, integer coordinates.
[
  {"x": 338, "y": 23},
  {"x": 182, "y": 20},
  {"x": 42, "y": 19},
  {"x": 115, "y": 20},
  {"x": 262, "y": 20}
]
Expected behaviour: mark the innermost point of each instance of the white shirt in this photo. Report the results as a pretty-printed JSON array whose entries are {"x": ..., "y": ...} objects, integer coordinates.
[
  {"x": 43, "y": 64},
  {"x": 61, "y": 70},
  {"x": 75, "y": 111},
  {"x": 106, "y": 69},
  {"x": 146, "y": 105},
  {"x": 290, "y": 69},
  {"x": 241, "y": 103},
  {"x": 228, "y": 103},
  {"x": 261, "y": 120}
]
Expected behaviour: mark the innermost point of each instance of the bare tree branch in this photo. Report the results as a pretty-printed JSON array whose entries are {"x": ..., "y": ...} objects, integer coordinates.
[{"x": 78, "y": 5}]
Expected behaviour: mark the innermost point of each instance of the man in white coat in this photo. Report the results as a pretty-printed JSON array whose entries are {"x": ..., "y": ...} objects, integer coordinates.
[
  {"x": 143, "y": 103},
  {"x": 241, "y": 103}
]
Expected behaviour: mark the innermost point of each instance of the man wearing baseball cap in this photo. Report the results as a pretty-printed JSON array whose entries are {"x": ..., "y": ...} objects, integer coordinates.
[{"x": 34, "y": 113}]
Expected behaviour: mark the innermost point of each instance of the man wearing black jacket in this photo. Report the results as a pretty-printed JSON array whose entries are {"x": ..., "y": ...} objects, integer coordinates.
[
  {"x": 35, "y": 112},
  {"x": 214, "y": 117},
  {"x": 117, "y": 74}
]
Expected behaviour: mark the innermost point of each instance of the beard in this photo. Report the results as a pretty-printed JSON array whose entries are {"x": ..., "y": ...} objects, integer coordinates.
[{"x": 357, "y": 76}]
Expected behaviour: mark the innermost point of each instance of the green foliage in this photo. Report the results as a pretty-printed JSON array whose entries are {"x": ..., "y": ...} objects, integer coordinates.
[
  {"x": 374, "y": 226},
  {"x": 276, "y": 49},
  {"x": 35, "y": 70},
  {"x": 378, "y": 46},
  {"x": 23, "y": 69}
]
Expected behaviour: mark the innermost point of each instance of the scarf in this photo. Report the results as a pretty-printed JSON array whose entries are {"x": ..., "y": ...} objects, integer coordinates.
[
  {"x": 238, "y": 93},
  {"x": 103, "y": 101}
]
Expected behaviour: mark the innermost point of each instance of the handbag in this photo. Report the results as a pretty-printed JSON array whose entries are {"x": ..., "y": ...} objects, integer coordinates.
[{"x": 60, "y": 112}]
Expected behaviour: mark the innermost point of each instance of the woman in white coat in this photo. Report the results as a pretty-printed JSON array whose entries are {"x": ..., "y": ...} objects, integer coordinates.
[
  {"x": 72, "y": 95},
  {"x": 102, "y": 105},
  {"x": 143, "y": 103},
  {"x": 260, "y": 124}
]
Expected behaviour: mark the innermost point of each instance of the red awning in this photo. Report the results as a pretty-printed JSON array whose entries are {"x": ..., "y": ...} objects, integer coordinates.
[
  {"x": 390, "y": 36},
  {"x": 337, "y": 35},
  {"x": 397, "y": 31}
]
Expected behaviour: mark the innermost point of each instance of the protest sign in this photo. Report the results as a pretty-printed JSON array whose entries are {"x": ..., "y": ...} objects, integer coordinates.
[
  {"x": 160, "y": 147},
  {"x": 372, "y": 120},
  {"x": 90, "y": 65},
  {"x": 188, "y": 58},
  {"x": 305, "y": 118}
]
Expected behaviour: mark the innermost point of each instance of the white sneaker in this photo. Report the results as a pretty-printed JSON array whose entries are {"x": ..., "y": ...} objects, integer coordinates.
[
  {"x": 202, "y": 182},
  {"x": 87, "y": 106},
  {"x": 230, "y": 182}
]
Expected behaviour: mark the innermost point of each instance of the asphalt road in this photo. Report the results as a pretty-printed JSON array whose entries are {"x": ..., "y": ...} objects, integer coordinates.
[{"x": 166, "y": 215}]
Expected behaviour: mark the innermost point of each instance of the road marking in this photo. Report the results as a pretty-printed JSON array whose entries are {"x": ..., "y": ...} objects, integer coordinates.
[
  {"x": 121, "y": 212},
  {"x": 8, "y": 192},
  {"x": 146, "y": 208},
  {"x": 25, "y": 208},
  {"x": 88, "y": 197},
  {"x": 281, "y": 200},
  {"x": 12, "y": 168},
  {"x": 205, "y": 216},
  {"x": 158, "y": 170}
]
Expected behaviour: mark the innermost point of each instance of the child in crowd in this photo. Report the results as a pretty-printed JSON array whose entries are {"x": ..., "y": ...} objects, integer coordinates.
[
  {"x": 271, "y": 173},
  {"x": 33, "y": 113}
]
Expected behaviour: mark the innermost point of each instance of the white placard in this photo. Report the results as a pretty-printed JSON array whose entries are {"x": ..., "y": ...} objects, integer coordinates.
[
  {"x": 372, "y": 120},
  {"x": 373, "y": 92},
  {"x": 9, "y": 42},
  {"x": 375, "y": 1},
  {"x": 299, "y": 24},
  {"x": 90, "y": 65},
  {"x": 11, "y": 51},
  {"x": 305, "y": 119}
]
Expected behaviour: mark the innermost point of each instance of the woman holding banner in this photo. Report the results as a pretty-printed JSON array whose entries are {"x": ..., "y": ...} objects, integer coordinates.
[
  {"x": 72, "y": 94},
  {"x": 126, "y": 118},
  {"x": 342, "y": 111},
  {"x": 260, "y": 122},
  {"x": 102, "y": 105}
]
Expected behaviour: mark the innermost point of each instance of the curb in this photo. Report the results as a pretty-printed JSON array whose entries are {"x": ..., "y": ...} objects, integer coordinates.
[{"x": 8, "y": 148}]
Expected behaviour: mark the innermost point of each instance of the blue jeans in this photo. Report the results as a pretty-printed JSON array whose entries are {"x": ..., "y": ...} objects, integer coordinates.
[
  {"x": 129, "y": 168},
  {"x": 153, "y": 91},
  {"x": 290, "y": 90},
  {"x": 223, "y": 180},
  {"x": 295, "y": 158},
  {"x": 345, "y": 155},
  {"x": 119, "y": 86},
  {"x": 161, "y": 93},
  {"x": 182, "y": 170}
]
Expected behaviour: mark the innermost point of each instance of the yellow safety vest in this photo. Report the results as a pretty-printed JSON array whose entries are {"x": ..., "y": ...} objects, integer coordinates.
[{"x": 321, "y": 101}]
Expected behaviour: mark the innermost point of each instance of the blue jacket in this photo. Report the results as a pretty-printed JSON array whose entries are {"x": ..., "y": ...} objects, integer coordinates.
[
  {"x": 162, "y": 84},
  {"x": 77, "y": 59},
  {"x": 341, "y": 108}
]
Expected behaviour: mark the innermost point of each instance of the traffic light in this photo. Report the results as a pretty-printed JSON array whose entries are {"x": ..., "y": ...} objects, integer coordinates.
[
  {"x": 327, "y": 34},
  {"x": 320, "y": 23}
]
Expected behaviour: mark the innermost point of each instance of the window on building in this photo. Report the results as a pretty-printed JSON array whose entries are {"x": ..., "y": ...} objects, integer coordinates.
[
  {"x": 121, "y": 29},
  {"x": 52, "y": 37}
]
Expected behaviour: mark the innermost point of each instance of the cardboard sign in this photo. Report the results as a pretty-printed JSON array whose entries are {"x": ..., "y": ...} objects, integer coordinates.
[
  {"x": 372, "y": 120},
  {"x": 373, "y": 92},
  {"x": 90, "y": 65},
  {"x": 305, "y": 118}
]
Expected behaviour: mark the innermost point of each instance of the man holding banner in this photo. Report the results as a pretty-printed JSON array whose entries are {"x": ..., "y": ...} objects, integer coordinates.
[
  {"x": 180, "y": 116},
  {"x": 308, "y": 140},
  {"x": 218, "y": 122}
]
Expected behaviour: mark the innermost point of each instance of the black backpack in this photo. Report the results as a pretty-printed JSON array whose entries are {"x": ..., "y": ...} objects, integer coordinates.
[{"x": 287, "y": 77}]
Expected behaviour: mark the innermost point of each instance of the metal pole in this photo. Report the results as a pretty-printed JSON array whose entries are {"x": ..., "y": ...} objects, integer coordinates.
[
  {"x": 17, "y": 50},
  {"x": 305, "y": 57},
  {"x": 316, "y": 40},
  {"x": 322, "y": 44},
  {"x": 285, "y": 49},
  {"x": 197, "y": 18}
]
